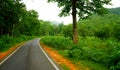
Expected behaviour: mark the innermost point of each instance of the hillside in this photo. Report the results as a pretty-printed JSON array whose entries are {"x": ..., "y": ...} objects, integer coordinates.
[{"x": 115, "y": 10}]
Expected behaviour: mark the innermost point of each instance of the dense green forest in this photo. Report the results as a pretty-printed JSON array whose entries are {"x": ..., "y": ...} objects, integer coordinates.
[
  {"x": 99, "y": 36},
  {"x": 115, "y": 10}
]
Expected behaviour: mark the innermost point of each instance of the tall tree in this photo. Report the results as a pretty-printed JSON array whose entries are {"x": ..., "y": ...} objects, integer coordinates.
[
  {"x": 29, "y": 23},
  {"x": 9, "y": 15},
  {"x": 82, "y": 8}
]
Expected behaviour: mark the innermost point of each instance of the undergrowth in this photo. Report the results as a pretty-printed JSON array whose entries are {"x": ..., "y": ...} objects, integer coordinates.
[
  {"x": 101, "y": 53},
  {"x": 7, "y": 42}
]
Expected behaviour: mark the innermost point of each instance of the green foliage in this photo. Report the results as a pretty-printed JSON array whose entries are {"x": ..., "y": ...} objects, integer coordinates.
[
  {"x": 99, "y": 35},
  {"x": 117, "y": 31},
  {"x": 65, "y": 67},
  {"x": 4, "y": 40},
  {"x": 84, "y": 8},
  {"x": 9, "y": 16},
  {"x": 67, "y": 31},
  {"x": 105, "y": 52},
  {"x": 115, "y": 10},
  {"x": 107, "y": 28},
  {"x": 91, "y": 65},
  {"x": 7, "y": 42},
  {"x": 29, "y": 23},
  {"x": 57, "y": 42}
]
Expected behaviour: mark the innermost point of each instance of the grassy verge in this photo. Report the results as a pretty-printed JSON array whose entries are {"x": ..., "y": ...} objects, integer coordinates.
[
  {"x": 95, "y": 53},
  {"x": 65, "y": 67},
  {"x": 6, "y": 42},
  {"x": 9, "y": 51}
]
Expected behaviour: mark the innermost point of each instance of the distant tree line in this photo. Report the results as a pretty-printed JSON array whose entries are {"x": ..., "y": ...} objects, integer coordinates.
[
  {"x": 16, "y": 20},
  {"x": 115, "y": 10}
]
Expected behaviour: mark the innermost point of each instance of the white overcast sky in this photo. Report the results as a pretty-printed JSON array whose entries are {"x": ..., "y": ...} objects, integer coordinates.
[{"x": 50, "y": 11}]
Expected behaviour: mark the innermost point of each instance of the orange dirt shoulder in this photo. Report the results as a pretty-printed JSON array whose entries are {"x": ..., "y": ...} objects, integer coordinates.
[{"x": 58, "y": 58}]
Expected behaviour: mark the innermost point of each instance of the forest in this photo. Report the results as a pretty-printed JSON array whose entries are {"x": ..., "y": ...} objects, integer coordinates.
[{"x": 98, "y": 46}]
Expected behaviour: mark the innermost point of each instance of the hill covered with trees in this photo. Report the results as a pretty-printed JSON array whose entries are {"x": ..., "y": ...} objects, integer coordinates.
[{"x": 115, "y": 10}]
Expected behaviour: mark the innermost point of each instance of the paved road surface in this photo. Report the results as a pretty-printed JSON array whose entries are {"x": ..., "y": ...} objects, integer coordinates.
[{"x": 28, "y": 57}]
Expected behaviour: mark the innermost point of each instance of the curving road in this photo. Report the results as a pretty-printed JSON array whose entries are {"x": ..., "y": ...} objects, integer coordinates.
[{"x": 29, "y": 57}]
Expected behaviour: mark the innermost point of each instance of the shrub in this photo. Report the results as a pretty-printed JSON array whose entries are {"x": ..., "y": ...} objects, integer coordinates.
[
  {"x": 7, "y": 42},
  {"x": 106, "y": 51},
  {"x": 57, "y": 42}
]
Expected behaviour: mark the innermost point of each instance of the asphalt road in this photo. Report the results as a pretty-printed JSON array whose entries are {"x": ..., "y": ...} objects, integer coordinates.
[{"x": 29, "y": 57}]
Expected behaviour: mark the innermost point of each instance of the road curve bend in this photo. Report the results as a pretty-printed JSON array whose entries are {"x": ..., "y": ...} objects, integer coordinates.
[{"x": 29, "y": 57}]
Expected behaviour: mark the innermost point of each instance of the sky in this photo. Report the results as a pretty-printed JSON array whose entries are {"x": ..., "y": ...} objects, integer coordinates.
[{"x": 50, "y": 11}]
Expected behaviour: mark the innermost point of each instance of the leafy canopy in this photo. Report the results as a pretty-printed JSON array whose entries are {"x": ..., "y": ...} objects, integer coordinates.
[{"x": 84, "y": 8}]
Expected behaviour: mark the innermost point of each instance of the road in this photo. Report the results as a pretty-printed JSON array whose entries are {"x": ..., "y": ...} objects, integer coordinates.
[{"x": 29, "y": 57}]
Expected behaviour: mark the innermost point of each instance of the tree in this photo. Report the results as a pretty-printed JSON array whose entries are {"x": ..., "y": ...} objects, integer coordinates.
[
  {"x": 82, "y": 8},
  {"x": 29, "y": 23},
  {"x": 9, "y": 15}
]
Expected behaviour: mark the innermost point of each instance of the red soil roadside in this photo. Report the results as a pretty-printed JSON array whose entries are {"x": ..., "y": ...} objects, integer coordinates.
[
  {"x": 6, "y": 53},
  {"x": 58, "y": 58}
]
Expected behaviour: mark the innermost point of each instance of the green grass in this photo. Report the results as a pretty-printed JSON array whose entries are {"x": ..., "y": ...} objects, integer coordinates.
[{"x": 64, "y": 67}]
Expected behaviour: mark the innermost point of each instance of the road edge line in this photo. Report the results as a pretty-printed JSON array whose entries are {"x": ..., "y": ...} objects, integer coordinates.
[
  {"x": 10, "y": 55},
  {"x": 48, "y": 57}
]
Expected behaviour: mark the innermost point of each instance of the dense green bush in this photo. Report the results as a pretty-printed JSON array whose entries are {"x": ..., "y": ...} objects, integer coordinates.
[
  {"x": 57, "y": 42},
  {"x": 106, "y": 52},
  {"x": 103, "y": 27},
  {"x": 7, "y": 41}
]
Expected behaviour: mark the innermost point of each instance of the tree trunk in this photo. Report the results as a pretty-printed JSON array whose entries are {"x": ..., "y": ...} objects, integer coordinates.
[{"x": 75, "y": 32}]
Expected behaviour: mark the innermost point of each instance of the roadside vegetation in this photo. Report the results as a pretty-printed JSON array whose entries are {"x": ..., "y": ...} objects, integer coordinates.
[
  {"x": 90, "y": 51},
  {"x": 6, "y": 42},
  {"x": 99, "y": 43},
  {"x": 98, "y": 46}
]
